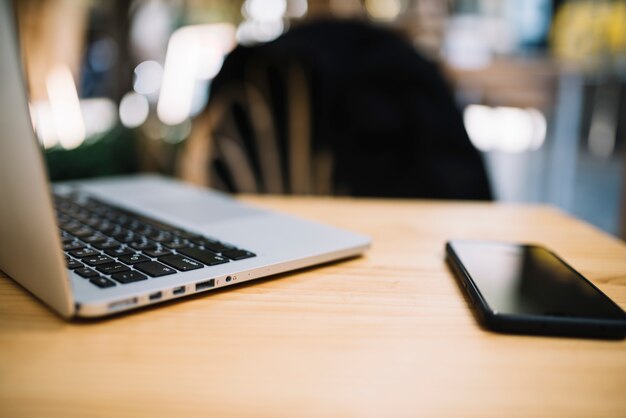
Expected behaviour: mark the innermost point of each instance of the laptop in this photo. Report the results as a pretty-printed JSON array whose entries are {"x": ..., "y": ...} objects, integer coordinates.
[{"x": 99, "y": 247}]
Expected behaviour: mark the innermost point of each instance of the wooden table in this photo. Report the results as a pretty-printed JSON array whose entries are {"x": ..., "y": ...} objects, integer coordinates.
[{"x": 386, "y": 335}]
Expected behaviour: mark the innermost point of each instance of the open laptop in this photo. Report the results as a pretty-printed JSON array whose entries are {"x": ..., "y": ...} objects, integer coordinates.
[{"x": 94, "y": 248}]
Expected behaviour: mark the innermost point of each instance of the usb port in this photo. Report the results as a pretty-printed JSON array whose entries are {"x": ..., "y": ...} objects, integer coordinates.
[
  {"x": 178, "y": 290},
  {"x": 205, "y": 285},
  {"x": 155, "y": 296},
  {"x": 122, "y": 304}
]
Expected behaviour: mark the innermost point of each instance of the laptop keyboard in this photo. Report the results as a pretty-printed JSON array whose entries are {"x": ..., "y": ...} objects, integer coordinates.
[{"x": 110, "y": 246}]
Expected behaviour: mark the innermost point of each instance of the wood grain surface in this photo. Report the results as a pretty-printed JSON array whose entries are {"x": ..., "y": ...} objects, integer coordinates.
[{"x": 388, "y": 334}]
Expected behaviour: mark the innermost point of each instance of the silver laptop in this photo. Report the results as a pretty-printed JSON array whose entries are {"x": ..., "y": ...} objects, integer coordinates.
[{"x": 94, "y": 248}]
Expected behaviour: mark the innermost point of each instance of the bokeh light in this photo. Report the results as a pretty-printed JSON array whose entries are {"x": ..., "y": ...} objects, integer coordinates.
[{"x": 134, "y": 110}]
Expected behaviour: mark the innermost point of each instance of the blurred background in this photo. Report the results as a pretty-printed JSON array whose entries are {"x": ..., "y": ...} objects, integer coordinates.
[{"x": 120, "y": 87}]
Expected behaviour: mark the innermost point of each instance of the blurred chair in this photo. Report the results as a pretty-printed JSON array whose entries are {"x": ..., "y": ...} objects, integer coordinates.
[{"x": 338, "y": 108}]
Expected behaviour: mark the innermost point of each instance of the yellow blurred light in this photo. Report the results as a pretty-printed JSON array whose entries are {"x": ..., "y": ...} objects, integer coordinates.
[
  {"x": 586, "y": 29},
  {"x": 384, "y": 9},
  {"x": 345, "y": 8}
]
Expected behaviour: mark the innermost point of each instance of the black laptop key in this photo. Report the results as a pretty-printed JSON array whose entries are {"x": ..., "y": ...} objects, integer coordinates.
[
  {"x": 71, "y": 229},
  {"x": 238, "y": 254},
  {"x": 74, "y": 264},
  {"x": 186, "y": 235},
  {"x": 85, "y": 272},
  {"x": 93, "y": 221},
  {"x": 82, "y": 232},
  {"x": 124, "y": 236},
  {"x": 159, "y": 252},
  {"x": 200, "y": 240},
  {"x": 63, "y": 220},
  {"x": 159, "y": 236},
  {"x": 127, "y": 238},
  {"x": 106, "y": 227},
  {"x": 92, "y": 239},
  {"x": 215, "y": 246},
  {"x": 133, "y": 224},
  {"x": 112, "y": 268},
  {"x": 102, "y": 282},
  {"x": 67, "y": 239},
  {"x": 181, "y": 263},
  {"x": 176, "y": 244},
  {"x": 96, "y": 260},
  {"x": 129, "y": 223},
  {"x": 128, "y": 277},
  {"x": 106, "y": 245},
  {"x": 71, "y": 225},
  {"x": 135, "y": 258},
  {"x": 143, "y": 245},
  {"x": 71, "y": 246},
  {"x": 204, "y": 256},
  {"x": 140, "y": 228},
  {"x": 119, "y": 251},
  {"x": 154, "y": 269},
  {"x": 84, "y": 252},
  {"x": 82, "y": 215}
]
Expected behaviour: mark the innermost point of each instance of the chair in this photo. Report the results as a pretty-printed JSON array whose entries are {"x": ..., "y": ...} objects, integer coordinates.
[{"x": 338, "y": 108}]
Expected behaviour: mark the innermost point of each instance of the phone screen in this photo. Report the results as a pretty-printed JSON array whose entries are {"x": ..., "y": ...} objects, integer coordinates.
[{"x": 530, "y": 280}]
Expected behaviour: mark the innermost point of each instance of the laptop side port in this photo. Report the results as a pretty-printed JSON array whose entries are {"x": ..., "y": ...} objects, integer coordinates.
[
  {"x": 122, "y": 304},
  {"x": 155, "y": 296},
  {"x": 205, "y": 285},
  {"x": 178, "y": 290}
]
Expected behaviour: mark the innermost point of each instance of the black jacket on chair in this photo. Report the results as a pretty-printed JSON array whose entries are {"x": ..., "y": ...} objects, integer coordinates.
[{"x": 383, "y": 111}]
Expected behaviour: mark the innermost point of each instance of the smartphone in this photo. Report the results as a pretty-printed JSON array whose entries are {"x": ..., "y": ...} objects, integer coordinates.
[{"x": 527, "y": 289}]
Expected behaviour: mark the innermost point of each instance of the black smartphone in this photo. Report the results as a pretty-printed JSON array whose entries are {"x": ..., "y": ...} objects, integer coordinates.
[{"x": 527, "y": 289}]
